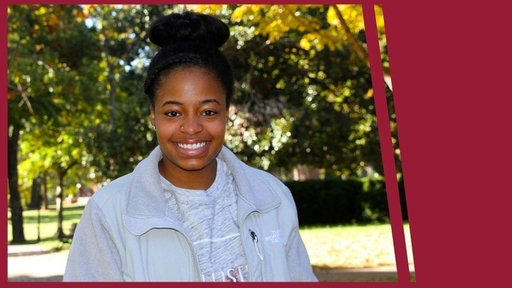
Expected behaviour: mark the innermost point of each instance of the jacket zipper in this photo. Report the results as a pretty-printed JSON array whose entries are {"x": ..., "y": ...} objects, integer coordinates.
[
  {"x": 193, "y": 252},
  {"x": 255, "y": 242}
]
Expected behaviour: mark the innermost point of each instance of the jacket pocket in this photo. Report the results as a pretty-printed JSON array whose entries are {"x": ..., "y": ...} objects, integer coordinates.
[{"x": 256, "y": 244}]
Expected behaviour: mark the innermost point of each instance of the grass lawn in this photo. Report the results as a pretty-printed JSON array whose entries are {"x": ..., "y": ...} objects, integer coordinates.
[
  {"x": 352, "y": 246},
  {"x": 333, "y": 247},
  {"x": 336, "y": 248},
  {"x": 44, "y": 224}
]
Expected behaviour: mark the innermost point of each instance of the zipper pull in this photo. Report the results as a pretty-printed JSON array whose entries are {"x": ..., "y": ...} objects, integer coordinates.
[{"x": 255, "y": 241}]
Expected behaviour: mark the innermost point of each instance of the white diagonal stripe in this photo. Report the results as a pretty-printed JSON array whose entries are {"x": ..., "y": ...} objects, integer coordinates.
[{"x": 217, "y": 239}]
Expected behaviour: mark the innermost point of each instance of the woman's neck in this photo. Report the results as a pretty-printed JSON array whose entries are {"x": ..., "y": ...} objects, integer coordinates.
[{"x": 189, "y": 179}]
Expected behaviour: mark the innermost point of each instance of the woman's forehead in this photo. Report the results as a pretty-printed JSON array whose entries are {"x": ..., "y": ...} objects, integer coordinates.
[{"x": 191, "y": 84}]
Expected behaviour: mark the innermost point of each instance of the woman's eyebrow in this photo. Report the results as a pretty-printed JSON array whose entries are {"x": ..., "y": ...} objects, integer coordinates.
[
  {"x": 202, "y": 102},
  {"x": 209, "y": 101},
  {"x": 171, "y": 102}
]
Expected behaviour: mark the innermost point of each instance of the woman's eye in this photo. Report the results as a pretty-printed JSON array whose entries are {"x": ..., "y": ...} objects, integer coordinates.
[
  {"x": 172, "y": 114},
  {"x": 209, "y": 113}
]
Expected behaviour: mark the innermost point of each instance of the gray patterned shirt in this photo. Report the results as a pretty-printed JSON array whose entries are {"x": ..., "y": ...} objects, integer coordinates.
[{"x": 210, "y": 220}]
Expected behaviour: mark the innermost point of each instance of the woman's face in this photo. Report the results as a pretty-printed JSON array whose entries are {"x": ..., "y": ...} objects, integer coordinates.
[{"x": 190, "y": 117}]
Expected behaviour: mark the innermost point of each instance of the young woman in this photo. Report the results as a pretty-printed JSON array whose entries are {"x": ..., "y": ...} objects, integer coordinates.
[{"x": 190, "y": 211}]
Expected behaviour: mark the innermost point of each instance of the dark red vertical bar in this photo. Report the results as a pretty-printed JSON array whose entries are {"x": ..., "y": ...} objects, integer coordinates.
[
  {"x": 4, "y": 130},
  {"x": 388, "y": 159}
]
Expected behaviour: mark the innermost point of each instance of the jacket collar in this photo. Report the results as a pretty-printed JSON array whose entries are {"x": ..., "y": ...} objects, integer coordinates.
[{"x": 146, "y": 206}]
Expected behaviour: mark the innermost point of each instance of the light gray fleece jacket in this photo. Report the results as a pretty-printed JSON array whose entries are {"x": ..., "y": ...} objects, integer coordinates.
[{"x": 127, "y": 232}]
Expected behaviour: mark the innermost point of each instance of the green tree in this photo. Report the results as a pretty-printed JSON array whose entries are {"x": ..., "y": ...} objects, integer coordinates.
[
  {"x": 303, "y": 91},
  {"x": 48, "y": 89},
  {"x": 125, "y": 49},
  {"x": 305, "y": 76}
]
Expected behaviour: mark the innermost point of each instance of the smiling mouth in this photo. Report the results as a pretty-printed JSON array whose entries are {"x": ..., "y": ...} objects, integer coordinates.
[{"x": 192, "y": 146}]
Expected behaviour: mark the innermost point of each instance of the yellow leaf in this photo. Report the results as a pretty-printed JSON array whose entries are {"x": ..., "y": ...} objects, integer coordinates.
[
  {"x": 238, "y": 13},
  {"x": 305, "y": 44},
  {"x": 331, "y": 17}
]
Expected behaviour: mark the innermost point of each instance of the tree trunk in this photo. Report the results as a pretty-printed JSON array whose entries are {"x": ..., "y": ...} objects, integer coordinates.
[
  {"x": 112, "y": 81},
  {"x": 18, "y": 235},
  {"x": 44, "y": 200},
  {"x": 358, "y": 48},
  {"x": 59, "y": 199},
  {"x": 35, "y": 197}
]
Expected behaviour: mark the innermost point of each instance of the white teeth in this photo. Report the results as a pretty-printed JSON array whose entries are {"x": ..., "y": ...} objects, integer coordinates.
[{"x": 192, "y": 146}]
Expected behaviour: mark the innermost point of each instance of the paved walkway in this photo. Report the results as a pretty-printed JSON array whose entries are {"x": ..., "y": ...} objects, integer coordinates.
[{"x": 34, "y": 263}]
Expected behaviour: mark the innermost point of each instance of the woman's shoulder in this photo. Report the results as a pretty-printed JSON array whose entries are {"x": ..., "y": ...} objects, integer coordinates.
[{"x": 114, "y": 189}]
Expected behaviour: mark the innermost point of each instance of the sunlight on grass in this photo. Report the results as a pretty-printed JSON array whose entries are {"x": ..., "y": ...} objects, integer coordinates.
[
  {"x": 43, "y": 223},
  {"x": 328, "y": 247},
  {"x": 351, "y": 246}
]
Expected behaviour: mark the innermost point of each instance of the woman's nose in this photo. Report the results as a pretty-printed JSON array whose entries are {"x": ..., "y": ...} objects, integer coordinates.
[{"x": 191, "y": 125}]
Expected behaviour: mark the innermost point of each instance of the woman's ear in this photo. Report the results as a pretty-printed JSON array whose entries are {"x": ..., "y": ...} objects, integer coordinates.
[{"x": 152, "y": 115}]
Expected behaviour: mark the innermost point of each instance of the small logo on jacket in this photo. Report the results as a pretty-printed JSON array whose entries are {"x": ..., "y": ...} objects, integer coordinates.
[{"x": 276, "y": 237}]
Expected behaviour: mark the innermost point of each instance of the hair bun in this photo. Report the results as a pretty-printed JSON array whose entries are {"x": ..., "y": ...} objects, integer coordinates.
[{"x": 188, "y": 27}]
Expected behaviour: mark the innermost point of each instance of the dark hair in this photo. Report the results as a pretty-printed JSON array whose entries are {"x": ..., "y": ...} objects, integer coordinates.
[{"x": 188, "y": 40}]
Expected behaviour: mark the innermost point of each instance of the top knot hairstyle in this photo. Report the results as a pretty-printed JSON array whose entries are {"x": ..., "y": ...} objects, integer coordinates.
[{"x": 188, "y": 40}]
